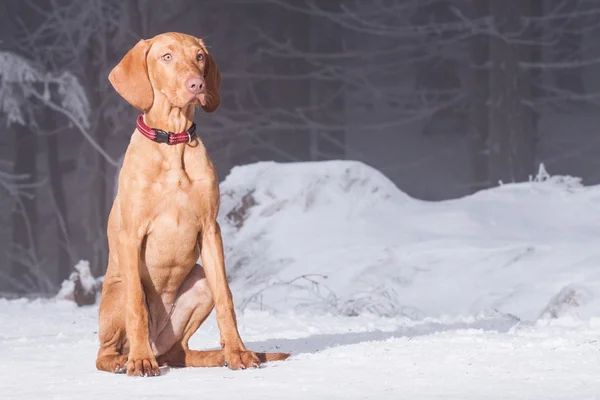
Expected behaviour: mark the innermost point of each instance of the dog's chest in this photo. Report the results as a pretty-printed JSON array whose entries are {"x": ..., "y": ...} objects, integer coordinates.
[
  {"x": 177, "y": 217},
  {"x": 179, "y": 199}
]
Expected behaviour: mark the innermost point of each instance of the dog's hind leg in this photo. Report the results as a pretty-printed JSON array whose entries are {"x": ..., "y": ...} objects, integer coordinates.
[
  {"x": 180, "y": 357},
  {"x": 194, "y": 304}
]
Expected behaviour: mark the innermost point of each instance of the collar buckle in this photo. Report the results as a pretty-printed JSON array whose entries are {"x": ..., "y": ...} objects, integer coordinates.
[{"x": 162, "y": 136}]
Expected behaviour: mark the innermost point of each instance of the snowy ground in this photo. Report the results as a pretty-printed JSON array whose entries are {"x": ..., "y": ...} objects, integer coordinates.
[
  {"x": 376, "y": 294},
  {"x": 48, "y": 352}
]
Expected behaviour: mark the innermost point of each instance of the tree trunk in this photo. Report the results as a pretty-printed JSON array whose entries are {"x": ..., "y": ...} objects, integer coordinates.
[
  {"x": 568, "y": 48},
  {"x": 530, "y": 83},
  {"x": 292, "y": 95},
  {"x": 25, "y": 215},
  {"x": 57, "y": 189},
  {"x": 99, "y": 207},
  {"x": 327, "y": 97},
  {"x": 512, "y": 137},
  {"x": 98, "y": 217},
  {"x": 436, "y": 73},
  {"x": 479, "y": 92}
]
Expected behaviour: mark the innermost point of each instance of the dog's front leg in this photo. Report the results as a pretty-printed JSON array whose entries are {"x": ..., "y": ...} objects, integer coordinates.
[
  {"x": 235, "y": 353},
  {"x": 141, "y": 360}
]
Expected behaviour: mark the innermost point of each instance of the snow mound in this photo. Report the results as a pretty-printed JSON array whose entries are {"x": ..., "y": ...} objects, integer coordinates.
[
  {"x": 81, "y": 286},
  {"x": 339, "y": 237}
]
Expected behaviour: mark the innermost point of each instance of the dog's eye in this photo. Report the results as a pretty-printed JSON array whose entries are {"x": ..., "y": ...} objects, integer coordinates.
[
  {"x": 200, "y": 57},
  {"x": 167, "y": 57}
]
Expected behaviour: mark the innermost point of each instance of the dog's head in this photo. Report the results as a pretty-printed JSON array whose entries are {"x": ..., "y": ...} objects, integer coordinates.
[{"x": 173, "y": 65}]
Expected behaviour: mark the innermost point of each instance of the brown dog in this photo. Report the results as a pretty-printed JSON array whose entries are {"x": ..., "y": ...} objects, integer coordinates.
[{"x": 154, "y": 295}]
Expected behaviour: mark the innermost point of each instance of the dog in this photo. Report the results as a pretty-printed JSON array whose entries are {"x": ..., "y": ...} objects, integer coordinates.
[{"x": 164, "y": 218}]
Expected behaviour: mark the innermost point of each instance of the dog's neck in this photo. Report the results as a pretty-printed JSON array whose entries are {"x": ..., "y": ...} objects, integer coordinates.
[{"x": 169, "y": 118}]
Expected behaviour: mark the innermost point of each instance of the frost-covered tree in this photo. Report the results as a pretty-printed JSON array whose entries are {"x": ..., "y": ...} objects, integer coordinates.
[
  {"x": 24, "y": 89},
  {"x": 80, "y": 37}
]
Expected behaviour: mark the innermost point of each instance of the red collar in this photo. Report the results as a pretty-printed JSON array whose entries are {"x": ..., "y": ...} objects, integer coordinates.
[{"x": 160, "y": 136}]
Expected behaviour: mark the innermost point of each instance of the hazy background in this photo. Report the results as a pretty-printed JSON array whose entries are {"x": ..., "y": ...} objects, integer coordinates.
[{"x": 445, "y": 97}]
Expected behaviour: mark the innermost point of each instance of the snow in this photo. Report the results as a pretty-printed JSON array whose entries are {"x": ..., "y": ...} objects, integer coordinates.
[
  {"x": 512, "y": 249},
  {"x": 82, "y": 273},
  {"x": 376, "y": 294},
  {"x": 48, "y": 350}
]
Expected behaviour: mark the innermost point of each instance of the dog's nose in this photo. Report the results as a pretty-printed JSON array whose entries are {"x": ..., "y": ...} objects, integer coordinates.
[{"x": 194, "y": 84}]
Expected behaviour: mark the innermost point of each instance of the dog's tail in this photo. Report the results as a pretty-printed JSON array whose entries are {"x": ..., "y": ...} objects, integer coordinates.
[{"x": 266, "y": 357}]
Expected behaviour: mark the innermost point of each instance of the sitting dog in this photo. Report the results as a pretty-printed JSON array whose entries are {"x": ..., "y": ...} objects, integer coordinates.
[{"x": 164, "y": 217}]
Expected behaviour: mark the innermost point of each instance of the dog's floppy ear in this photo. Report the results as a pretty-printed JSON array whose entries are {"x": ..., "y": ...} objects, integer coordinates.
[
  {"x": 212, "y": 79},
  {"x": 130, "y": 77}
]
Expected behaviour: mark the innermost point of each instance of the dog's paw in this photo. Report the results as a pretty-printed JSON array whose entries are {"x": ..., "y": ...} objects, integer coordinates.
[
  {"x": 143, "y": 366},
  {"x": 112, "y": 363},
  {"x": 120, "y": 364},
  {"x": 241, "y": 360}
]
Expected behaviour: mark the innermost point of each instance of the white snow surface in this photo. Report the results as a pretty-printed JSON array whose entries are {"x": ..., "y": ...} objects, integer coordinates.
[
  {"x": 338, "y": 236},
  {"x": 376, "y": 294},
  {"x": 48, "y": 351}
]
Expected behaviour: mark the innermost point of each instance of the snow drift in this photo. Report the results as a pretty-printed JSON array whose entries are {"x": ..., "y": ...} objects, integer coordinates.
[{"x": 339, "y": 237}]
